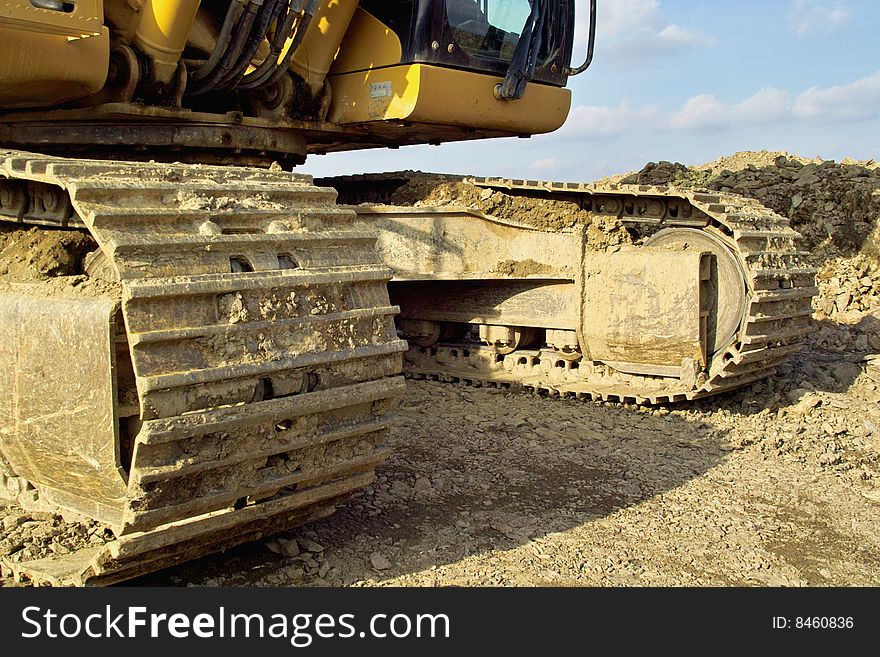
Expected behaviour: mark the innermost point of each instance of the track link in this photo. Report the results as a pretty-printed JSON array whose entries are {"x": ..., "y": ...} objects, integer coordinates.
[{"x": 262, "y": 346}]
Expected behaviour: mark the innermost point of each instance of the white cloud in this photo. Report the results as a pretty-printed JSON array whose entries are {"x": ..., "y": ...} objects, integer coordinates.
[
  {"x": 627, "y": 16},
  {"x": 769, "y": 105},
  {"x": 635, "y": 28},
  {"x": 814, "y": 17},
  {"x": 673, "y": 36},
  {"x": 547, "y": 164},
  {"x": 702, "y": 111},
  {"x": 598, "y": 122},
  {"x": 856, "y": 101}
]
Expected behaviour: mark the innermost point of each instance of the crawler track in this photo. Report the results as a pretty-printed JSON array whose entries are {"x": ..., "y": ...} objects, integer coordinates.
[
  {"x": 262, "y": 353},
  {"x": 779, "y": 287}
]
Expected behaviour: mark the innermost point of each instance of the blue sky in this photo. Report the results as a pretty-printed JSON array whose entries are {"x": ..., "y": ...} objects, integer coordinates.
[{"x": 689, "y": 82}]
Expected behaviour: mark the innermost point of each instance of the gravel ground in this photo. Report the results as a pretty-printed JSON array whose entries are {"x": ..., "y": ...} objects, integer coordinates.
[{"x": 500, "y": 488}]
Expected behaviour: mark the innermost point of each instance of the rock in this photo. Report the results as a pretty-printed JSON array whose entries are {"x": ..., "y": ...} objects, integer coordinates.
[
  {"x": 845, "y": 373},
  {"x": 289, "y": 547},
  {"x": 72, "y": 518},
  {"x": 423, "y": 484},
  {"x": 379, "y": 561},
  {"x": 14, "y": 521},
  {"x": 796, "y": 394},
  {"x": 806, "y": 179},
  {"x": 295, "y": 572},
  {"x": 796, "y": 200},
  {"x": 806, "y": 405},
  {"x": 308, "y": 545},
  {"x": 873, "y": 495},
  {"x": 274, "y": 546}
]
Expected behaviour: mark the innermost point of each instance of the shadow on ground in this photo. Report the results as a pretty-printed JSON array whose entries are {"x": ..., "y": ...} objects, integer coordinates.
[{"x": 477, "y": 470}]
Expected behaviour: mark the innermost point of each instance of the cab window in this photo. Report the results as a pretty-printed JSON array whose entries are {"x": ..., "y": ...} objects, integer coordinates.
[{"x": 487, "y": 28}]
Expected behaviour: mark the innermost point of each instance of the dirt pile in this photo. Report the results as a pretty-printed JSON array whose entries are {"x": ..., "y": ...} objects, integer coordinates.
[
  {"x": 835, "y": 206},
  {"x": 848, "y": 287},
  {"x": 433, "y": 190},
  {"x": 35, "y": 254},
  {"x": 430, "y": 190}
]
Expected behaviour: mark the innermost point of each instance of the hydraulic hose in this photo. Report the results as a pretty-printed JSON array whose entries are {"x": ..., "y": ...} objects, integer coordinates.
[
  {"x": 301, "y": 30},
  {"x": 231, "y": 54},
  {"x": 236, "y": 8},
  {"x": 267, "y": 15},
  {"x": 265, "y": 69}
]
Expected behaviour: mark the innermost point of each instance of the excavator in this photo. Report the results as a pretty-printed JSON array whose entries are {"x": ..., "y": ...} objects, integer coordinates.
[{"x": 202, "y": 347}]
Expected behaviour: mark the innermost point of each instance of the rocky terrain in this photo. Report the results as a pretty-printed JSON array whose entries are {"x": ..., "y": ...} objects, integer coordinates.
[{"x": 775, "y": 484}]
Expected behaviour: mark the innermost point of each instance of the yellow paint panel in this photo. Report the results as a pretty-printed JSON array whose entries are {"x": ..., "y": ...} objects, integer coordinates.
[
  {"x": 421, "y": 93},
  {"x": 368, "y": 44},
  {"x": 163, "y": 27},
  {"x": 38, "y": 70},
  {"x": 86, "y": 19},
  {"x": 325, "y": 33}
]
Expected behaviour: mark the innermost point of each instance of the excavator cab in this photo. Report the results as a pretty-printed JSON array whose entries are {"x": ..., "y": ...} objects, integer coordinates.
[
  {"x": 482, "y": 35},
  {"x": 409, "y": 63}
]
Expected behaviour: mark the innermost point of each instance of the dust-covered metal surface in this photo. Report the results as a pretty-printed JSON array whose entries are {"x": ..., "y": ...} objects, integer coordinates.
[
  {"x": 643, "y": 307},
  {"x": 58, "y": 400},
  {"x": 458, "y": 243},
  {"x": 647, "y": 329},
  {"x": 530, "y": 302},
  {"x": 261, "y": 347}
]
